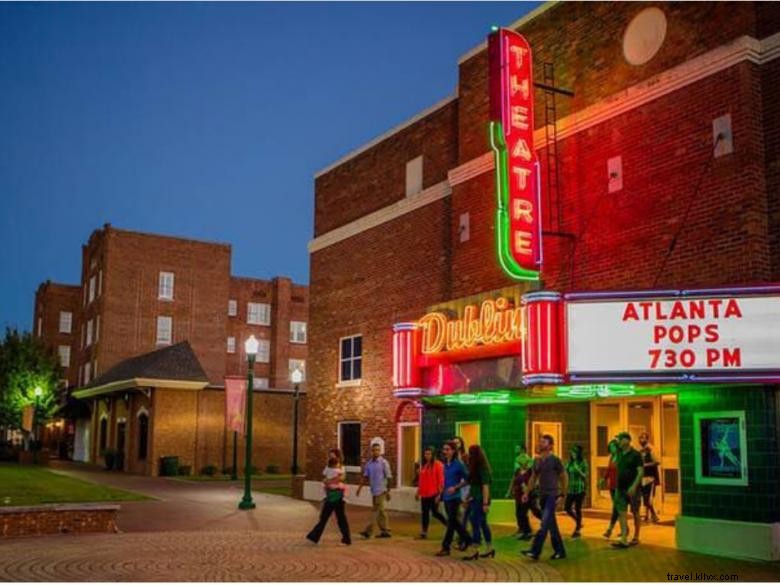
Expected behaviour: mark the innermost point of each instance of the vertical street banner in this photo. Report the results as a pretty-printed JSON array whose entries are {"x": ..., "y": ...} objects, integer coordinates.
[
  {"x": 27, "y": 417},
  {"x": 518, "y": 214},
  {"x": 235, "y": 403}
]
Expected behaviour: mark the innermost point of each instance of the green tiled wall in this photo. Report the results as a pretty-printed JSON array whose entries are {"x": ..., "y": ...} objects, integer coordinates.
[
  {"x": 502, "y": 427},
  {"x": 759, "y": 501}
]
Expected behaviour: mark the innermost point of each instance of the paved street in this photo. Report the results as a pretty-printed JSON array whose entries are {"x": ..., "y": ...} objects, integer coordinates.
[{"x": 193, "y": 531}]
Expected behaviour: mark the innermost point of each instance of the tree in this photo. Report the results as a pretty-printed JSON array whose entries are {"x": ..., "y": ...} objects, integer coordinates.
[{"x": 26, "y": 364}]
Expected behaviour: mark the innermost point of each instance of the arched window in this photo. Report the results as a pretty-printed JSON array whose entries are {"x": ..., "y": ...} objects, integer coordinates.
[
  {"x": 143, "y": 435},
  {"x": 103, "y": 433}
]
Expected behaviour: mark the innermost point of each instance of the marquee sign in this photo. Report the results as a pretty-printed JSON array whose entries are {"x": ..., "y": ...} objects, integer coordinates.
[
  {"x": 518, "y": 220},
  {"x": 691, "y": 335}
]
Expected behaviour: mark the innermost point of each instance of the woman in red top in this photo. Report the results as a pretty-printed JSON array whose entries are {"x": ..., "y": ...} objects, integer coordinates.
[
  {"x": 609, "y": 481},
  {"x": 430, "y": 484}
]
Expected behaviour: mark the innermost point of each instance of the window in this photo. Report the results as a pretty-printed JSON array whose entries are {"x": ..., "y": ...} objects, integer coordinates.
[
  {"x": 349, "y": 443},
  {"x": 143, "y": 435},
  {"x": 66, "y": 321},
  {"x": 298, "y": 331},
  {"x": 165, "y": 286},
  {"x": 258, "y": 314},
  {"x": 103, "y": 434},
  {"x": 94, "y": 369},
  {"x": 82, "y": 336},
  {"x": 90, "y": 331},
  {"x": 84, "y": 300},
  {"x": 264, "y": 351},
  {"x": 97, "y": 328},
  {"x": 92, "y": 288},
  {"x": 232, "y": 308},
  {"x": 351, "y": 358},
  {"x": 260, "y": 383},
  {"x": 87, "y": 372},
  {"x": 100, "y": 283},
  {"x": 79, "y": 381},
  {"x": 231, "y": 345},
  {"x": 64, "y": 352},
  {"x": 40, "y": 326},
  {"x": 299, "y": 365},
  {"x": 414, "y": 176},
  {"x": 164, "y": 330}
]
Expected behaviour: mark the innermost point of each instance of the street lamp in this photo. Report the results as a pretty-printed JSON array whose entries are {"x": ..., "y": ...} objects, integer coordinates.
[
  {"x": 38, "y": 392},
  {"x": 250, "y": 347},
  {"x": 297, "y": 378}
]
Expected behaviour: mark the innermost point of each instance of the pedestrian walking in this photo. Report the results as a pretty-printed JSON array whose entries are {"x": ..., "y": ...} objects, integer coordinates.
[
  {"x": 650, "y": 478},
  {"x": 455, "y": 477},
  {"x": 464, "y": 492},
  {"x": 479, "y": 504},
  {"x": 609, "y": 482},
  {"x": 577, "y": 472},
  {"x": 430, "y": 486},
  {"x": 378, "y": 474},
  {"x": 550, "y": 476},
  {"x": 630, "y": 468},
  {"x": 333, "y": 477},
  {"x": 522, "y": 475}
]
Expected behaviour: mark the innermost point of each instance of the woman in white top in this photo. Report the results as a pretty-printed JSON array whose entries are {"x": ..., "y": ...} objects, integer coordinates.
[{"x": 334, "y": 476}]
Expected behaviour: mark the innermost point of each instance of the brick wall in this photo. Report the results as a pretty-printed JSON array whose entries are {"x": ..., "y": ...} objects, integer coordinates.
[
  {"x": 51, "y": 298},
  {"x": 57, "y": 519}
]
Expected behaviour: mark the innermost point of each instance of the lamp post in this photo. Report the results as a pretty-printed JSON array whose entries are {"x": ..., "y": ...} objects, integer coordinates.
[
  {"x": 38, "y": 392},
  {"x": 250, "y": 347},
  {"x": 297, "y": 378}
]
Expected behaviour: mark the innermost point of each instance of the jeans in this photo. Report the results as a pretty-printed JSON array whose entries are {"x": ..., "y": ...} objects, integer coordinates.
[
  {"x": 453, "y": 524},
  {"x": 341, "y": 517},
  {"x": 573, "y": 507},
  {"x": 549, "y": 524},
  {"x": 430, "y": 507},
  {"x": 614, "y": 518},
  {"x": 378, "y": 515},
  {"x": 521, "y": 514},
  {"x": 479, "y": 523}
]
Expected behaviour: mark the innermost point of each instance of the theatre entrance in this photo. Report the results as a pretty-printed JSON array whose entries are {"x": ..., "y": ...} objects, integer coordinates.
[{"x": 656, "y": 415}]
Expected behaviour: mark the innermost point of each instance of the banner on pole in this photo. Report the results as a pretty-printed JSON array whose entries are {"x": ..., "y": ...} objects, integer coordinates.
[{"x": 235, "y": 403}]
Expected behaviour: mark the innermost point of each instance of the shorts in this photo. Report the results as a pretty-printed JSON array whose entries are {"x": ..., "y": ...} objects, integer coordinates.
[{"x": 623, "y": 500}]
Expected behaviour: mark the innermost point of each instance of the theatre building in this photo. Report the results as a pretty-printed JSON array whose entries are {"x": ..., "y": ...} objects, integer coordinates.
[
  {"x": 148, "y": 340},
  {"x": 583, "y": 239}
]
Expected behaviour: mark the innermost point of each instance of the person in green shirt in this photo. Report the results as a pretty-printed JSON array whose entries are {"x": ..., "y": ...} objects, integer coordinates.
[
  {"x": 479, "y": 503},
  {"x": 577, "y": 470}
]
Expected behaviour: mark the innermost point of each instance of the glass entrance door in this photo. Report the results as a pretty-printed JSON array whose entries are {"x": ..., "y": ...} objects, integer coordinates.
[
  {"x": 655, "y": 415},
  {"x": 409, "y": 453}
]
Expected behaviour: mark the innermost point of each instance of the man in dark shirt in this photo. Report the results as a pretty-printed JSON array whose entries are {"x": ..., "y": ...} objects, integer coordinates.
[
  {"x": 630, "y": 468},
  {"x": 550, "y": 476}
]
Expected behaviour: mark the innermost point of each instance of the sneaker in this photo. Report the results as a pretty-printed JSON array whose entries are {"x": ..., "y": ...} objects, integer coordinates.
[
  {"x": 346, "y": 542},
  {"x": 634, "y": 542},
  {"x": 421, "y": 536},
  {"x": 619, "y": 544},
  {"x": 655, "y": 520},
  {"x": 365, "y": 535},
  {"x": 525, "y": 536},
  {"x": 445, "y": 552},
  {"x": 558, "y": 556},
  {"x": 530, "y": 554},
  {"x": 576, "y": 534},
  {"x": 384, "y": 534},
  {"x": 310, "y": 538},
  {"x": 608, "y": 534}
]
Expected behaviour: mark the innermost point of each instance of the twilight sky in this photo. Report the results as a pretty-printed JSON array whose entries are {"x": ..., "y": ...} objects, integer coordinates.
[{"x": 201, "y": 120}]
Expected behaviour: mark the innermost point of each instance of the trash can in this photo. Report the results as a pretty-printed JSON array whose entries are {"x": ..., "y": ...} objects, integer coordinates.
[{"x": 169, "y": 465}]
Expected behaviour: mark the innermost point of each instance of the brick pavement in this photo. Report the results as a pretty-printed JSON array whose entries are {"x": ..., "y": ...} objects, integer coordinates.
[{"x": 193, "y": 531}]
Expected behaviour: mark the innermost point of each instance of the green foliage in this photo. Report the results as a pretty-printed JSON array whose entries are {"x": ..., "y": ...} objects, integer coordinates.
[{"x": 26, "y": 364}]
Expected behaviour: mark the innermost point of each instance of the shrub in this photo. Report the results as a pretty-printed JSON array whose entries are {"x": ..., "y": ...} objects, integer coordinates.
[
  {"x": 109, "y": 458},
  {"x": 272, "y": 469},
  {"x": 185, "y": 469},
  {"x": 209, "y": 470}
]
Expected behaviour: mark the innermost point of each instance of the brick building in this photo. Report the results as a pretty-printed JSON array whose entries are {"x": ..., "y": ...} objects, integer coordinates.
[
  {"x": 172, "y": 302},
  {"x": 659, "y": 173}
]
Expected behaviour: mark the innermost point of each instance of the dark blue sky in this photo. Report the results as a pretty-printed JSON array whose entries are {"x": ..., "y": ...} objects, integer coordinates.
[{"x": 201, "y": 120}]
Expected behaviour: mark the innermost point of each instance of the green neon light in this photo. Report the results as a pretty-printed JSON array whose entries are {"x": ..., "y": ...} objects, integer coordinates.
[
  {"x": 595, "y": 390},
  {"x": 486, "y": 398},
  {"x": 503, "y": 233}
]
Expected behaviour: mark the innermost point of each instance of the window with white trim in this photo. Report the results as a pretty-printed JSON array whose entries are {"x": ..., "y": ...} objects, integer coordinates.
[
  {"x": 164, "y": 330},
  {"x": 260, "y": 383},
  {"x": 90, "y": 331},
  {"x": 351, "y": 358},
  {"x": 87, "y": 372},
  {"x": 299, "y": 365},
  {"x": 97, "y": 328},
  {"x": 258, "y": 313},
  {"x": 40, "y": 326},
  {"x": 94, "y": 369},
  {"x": 298, "y": 331},
  {"x": 92, "y": 288},
  {"x": 100, "y": 283},
  {"x": 349, "y": 443},
  {"x": 165, "y": 286},
  {"x": 263, "y": 351},
  {"x": 231, "y": 345},
  {"x": 64, "y": 353},
  {"x": 232, "y": 307},
  {"x": 66, "y": 321}
]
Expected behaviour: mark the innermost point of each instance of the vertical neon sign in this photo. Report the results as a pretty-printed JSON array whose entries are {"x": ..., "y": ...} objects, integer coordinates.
[{"x": 518, "y": 225}]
